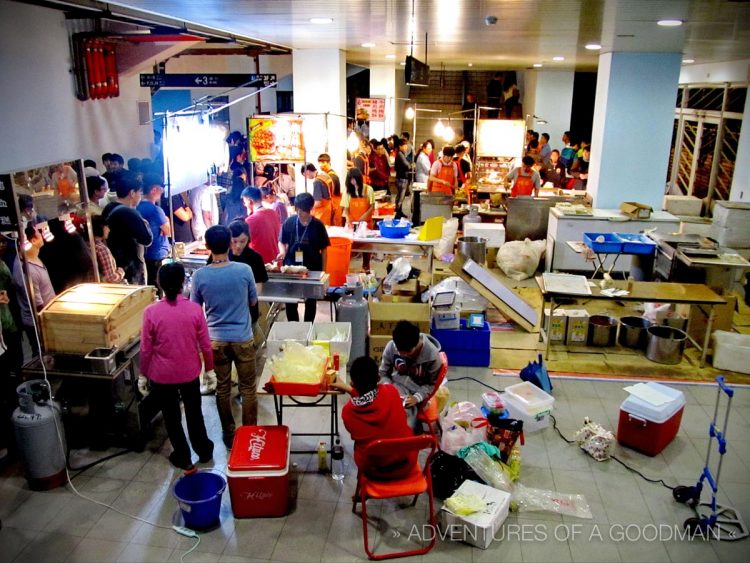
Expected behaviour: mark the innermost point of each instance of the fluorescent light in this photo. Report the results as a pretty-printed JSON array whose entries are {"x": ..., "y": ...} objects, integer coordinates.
[
  {"x": 558, "y": 58},
  {"x": 321, "y": 20},
  {"x": 593, "y": 46},
  {"x": 368, "y": 45},
  {"x": 390, "y": 56},
  {"x": 669, "y": 23},
  {"x": 402, "y": 63},
  {"x": 538, "y": 65},
  {"x": 688, "y": 61}
]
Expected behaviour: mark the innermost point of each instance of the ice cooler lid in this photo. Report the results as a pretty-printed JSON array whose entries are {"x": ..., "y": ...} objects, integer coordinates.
[
  {"x": 259, "y": 448},
  {"x": 655, "y": 413}
]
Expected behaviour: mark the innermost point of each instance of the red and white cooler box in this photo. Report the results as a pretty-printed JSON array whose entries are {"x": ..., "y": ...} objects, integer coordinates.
[
  {"x": 258, "y": 471},
  {"x": 647, "y": 427}
]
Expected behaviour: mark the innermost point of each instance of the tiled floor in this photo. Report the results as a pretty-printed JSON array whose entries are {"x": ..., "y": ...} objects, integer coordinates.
[{"x": 633, "y": 520}]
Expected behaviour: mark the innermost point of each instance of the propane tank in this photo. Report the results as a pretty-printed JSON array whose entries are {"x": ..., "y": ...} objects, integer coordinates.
[
  {"x": 36, "y": 422},
  {"x": 352, "y": 308},
  {"x": 473, "y": 216}
]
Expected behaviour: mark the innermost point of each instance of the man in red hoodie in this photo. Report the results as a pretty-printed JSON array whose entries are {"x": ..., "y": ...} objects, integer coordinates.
[{"x": 375, "y": 412}]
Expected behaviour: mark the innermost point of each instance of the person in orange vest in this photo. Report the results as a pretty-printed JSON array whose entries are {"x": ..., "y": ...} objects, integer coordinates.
[
  {"x": 324, "y": 163},
  {"x": 358, "y": 204},
  {"x": 526, "y": 180},
  {"x": 444, "y": 173},
  {"x": 321, "y": 193}
]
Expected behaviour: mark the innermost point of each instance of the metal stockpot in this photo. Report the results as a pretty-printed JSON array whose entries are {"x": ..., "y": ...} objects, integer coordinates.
[
  {"x": 474, "y": 248},
  {"x": 665, "y": 344},
  {"x": 633, "y": 332}
]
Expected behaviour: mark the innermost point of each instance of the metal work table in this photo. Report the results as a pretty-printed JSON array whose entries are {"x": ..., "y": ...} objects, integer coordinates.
[
  {"x": 687, "y": 293},
  {"x": 395, "y": 246},
  {"x": 287, "y": 401}
]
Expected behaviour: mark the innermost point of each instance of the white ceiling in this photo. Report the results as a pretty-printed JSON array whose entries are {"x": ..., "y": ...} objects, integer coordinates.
[{"x": 527, "y": 31}]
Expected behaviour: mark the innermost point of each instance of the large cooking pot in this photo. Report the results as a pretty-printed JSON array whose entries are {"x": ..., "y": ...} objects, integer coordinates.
[
  {"x": 633, "y": 332},
  {"x": 602, "y": 330},
  {"x": 665, "y": 344},
  {"x": 474, "y": 248}
]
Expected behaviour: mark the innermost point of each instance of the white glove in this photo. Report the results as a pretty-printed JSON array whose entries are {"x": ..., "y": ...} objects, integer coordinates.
[{"x": 144, "y": 387}]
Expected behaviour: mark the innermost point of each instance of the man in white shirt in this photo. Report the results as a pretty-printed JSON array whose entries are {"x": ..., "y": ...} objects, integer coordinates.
[{"x": 205, "y": 210}]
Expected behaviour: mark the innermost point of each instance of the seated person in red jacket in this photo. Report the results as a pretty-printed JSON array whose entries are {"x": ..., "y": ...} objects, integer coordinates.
[{"x": 375, "y": 412}]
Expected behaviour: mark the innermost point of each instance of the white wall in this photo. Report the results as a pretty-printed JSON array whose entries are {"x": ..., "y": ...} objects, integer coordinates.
[
  {"x": 281, "y": 66},
  {"x": 734, "y": 71},
  {"x": 43, "y": 121},
  {"x": 552, "y": 101}
]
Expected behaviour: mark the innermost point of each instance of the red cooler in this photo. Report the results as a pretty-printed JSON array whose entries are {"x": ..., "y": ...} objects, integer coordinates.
[
  {"x": 649, "y": 428},
  {"x": 258, "y": 471}
]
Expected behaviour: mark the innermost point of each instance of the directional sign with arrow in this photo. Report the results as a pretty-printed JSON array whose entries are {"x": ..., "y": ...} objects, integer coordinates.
[{"x": 207, "y": 80}]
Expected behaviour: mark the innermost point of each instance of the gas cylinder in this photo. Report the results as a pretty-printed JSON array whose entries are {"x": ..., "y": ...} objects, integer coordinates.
[
  {"x": 352, "y": 308},
  {"x": 473, "y": 216},
  {"x": 36, "y": 422}
]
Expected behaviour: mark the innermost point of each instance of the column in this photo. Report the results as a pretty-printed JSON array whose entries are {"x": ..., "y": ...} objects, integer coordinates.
[
  {"x": 383, "y": 85},
  {"x": 741, "y": 180},
  {"x": 319, "y": 79},
  {"x": 549, "y": 96},
  {"x": 632, "y": 130}
]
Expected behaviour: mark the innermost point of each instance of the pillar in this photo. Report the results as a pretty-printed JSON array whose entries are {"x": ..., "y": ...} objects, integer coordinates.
[
  {"x": 632, "y": 130},
  {"x": 319, "y": 79},
  {"x": 383, "y": 85},
  {"x": 549, "y": 96},
  {"x": 741, "y": 180}
]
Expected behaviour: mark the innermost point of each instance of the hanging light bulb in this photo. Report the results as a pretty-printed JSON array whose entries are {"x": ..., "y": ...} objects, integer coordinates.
[
  {"x": 439, "y": 128},
  {"x": 448, "y": 133},
  {"x": 352, "y": 142},
  {"x": 409, "y": 114}
]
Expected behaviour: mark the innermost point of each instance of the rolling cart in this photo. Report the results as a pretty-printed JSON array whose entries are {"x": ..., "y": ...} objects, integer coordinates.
[{"x": 713, "y": 520}]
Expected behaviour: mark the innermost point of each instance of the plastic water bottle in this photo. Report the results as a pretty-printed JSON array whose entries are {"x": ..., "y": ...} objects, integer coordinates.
[
  {"x": 337, "y": 461},
  {"x": 322, "y": 458}
]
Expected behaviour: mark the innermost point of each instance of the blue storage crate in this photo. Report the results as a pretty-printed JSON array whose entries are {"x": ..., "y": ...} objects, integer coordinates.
[
  {"x": 463, "y": 338},
  {"x": 611, "y": 243},
  {"x": 470, "y": 358},
  {"x": 636, "y": 244}
]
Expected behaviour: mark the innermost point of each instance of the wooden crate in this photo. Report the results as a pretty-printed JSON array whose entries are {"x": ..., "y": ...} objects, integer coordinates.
[{"x": 90, "y": 316}]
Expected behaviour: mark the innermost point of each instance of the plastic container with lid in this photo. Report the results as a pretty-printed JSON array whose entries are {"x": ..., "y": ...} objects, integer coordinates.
[
  {"x": 494, "y": 402},
  {"x": 526, "y": 402},
  {"x": 258, "y": 472},
  {"x": 649, "y": 428}
]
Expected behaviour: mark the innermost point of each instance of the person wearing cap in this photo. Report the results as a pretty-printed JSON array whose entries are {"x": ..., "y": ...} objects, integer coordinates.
[
  {"x": 321, "y": 193},
  {"x": 334, "y": 186},
  {"x": 304, "y": 242},
  {"x": 152, "y": 213}
]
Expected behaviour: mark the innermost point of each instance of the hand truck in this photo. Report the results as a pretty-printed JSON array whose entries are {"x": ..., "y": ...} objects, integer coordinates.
[{"x": 713, "y": 520}]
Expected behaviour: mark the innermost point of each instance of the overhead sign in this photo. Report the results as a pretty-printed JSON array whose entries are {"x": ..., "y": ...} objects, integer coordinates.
[
  {"x": 8, "y": 217},
  {"x": 206, "y": 80},
  {"x": 369, "y": 109},
  {"x": 276, "y": 139}
]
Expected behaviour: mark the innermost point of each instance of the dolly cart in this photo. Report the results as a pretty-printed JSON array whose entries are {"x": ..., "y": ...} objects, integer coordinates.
[{"x": 722, "y": 522}]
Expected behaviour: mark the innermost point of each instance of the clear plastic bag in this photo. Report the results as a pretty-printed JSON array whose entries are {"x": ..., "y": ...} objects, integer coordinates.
[
  {"x": 463, "y": 425},
  {"x": 447, "y": 240},
  {"x": 528, "y": 499},
  {"x": 299, "y": 364},
  {"x": 463, "y": 505},
  {"x": 520, "y": 259},
  {"x": 467, "y": 298},
  {"x": 490, "y": 471},
  {"x": 400, "y": 269}
]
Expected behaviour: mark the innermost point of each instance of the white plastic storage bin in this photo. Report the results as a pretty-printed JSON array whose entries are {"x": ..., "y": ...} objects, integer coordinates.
[
  {"x": 526, "y": 402},
  {"x": 338, "y": 335},
  {"x": 731, "y": 351},
  {"x": 282, "y": 332},
  {"x": 493, "y": 232}
]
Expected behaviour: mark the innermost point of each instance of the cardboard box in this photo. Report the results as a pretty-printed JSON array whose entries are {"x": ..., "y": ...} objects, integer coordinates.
[
  {"x": 384, "y": 316},
  {"x": 441, "y": 272},
  {"x": 377, "y": 345},
  {"x": 731, "y": 213},
  {"x": 478, "y": 529},
  {"x": 688, "y": 205},
  {"x": 636, "y": 210},
  {"x": 723, "y": 315},
  {"x": 557, "y": 329},
  {"x": 407, "y": 287},
  {"x": 578, "y": 327}
]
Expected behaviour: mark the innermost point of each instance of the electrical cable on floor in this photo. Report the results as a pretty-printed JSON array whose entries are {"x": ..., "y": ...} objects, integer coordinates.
[
  {"x": 61, "y": 442},
  {"x": 625, "y": 465},
  {"x": 482, "y": 383}
]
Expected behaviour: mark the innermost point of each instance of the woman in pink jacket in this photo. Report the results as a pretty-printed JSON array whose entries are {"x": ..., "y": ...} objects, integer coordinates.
[{"x": 173, "y": 335}]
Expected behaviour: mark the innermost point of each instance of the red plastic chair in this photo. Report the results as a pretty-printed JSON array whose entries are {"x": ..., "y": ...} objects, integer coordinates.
[
  {"x": 428, "y": 414},
  {"x": 418, "y": 481}
]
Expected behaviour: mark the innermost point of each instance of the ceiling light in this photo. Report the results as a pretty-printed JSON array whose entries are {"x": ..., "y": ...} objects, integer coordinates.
[
  {"x": 409, "y": 113},
  {"x": 321, "y": 20},
  {"x": 558, "y": 58},
  {"x": 471, "y": 64},
  {"x": 688, "y": 61},
  {"x": 390, "y": 56},
  {"x": 439, "y": 128},
  {"x": 402, "y": 63},
  {"x": 538, "y": 65},
  {"x": 368, "y": 45},
  {"x": 669, "y": 23},
  {"x": 593, "y": 46}
]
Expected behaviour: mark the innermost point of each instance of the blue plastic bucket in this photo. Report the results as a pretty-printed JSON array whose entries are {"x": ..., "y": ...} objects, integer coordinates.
[{"x": 199, "y": 497}]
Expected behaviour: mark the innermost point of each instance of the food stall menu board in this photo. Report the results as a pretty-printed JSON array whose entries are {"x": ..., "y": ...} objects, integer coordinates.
[
  {"x": 8, "y": 217},
  {"x": 500, "y": 137},
  {"x": 276, "y": 139},
  {"x": 370, "y": 109}
]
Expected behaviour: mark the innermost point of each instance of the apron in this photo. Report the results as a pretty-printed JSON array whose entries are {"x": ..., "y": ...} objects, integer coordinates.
[
  {"x": 445, "y": 173},
  {"x": 336, "y": 219},
  {"x": 358, "y": 206},
  {"x": 322, "y": 209},
  {"x": 524, "y": 186}
]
